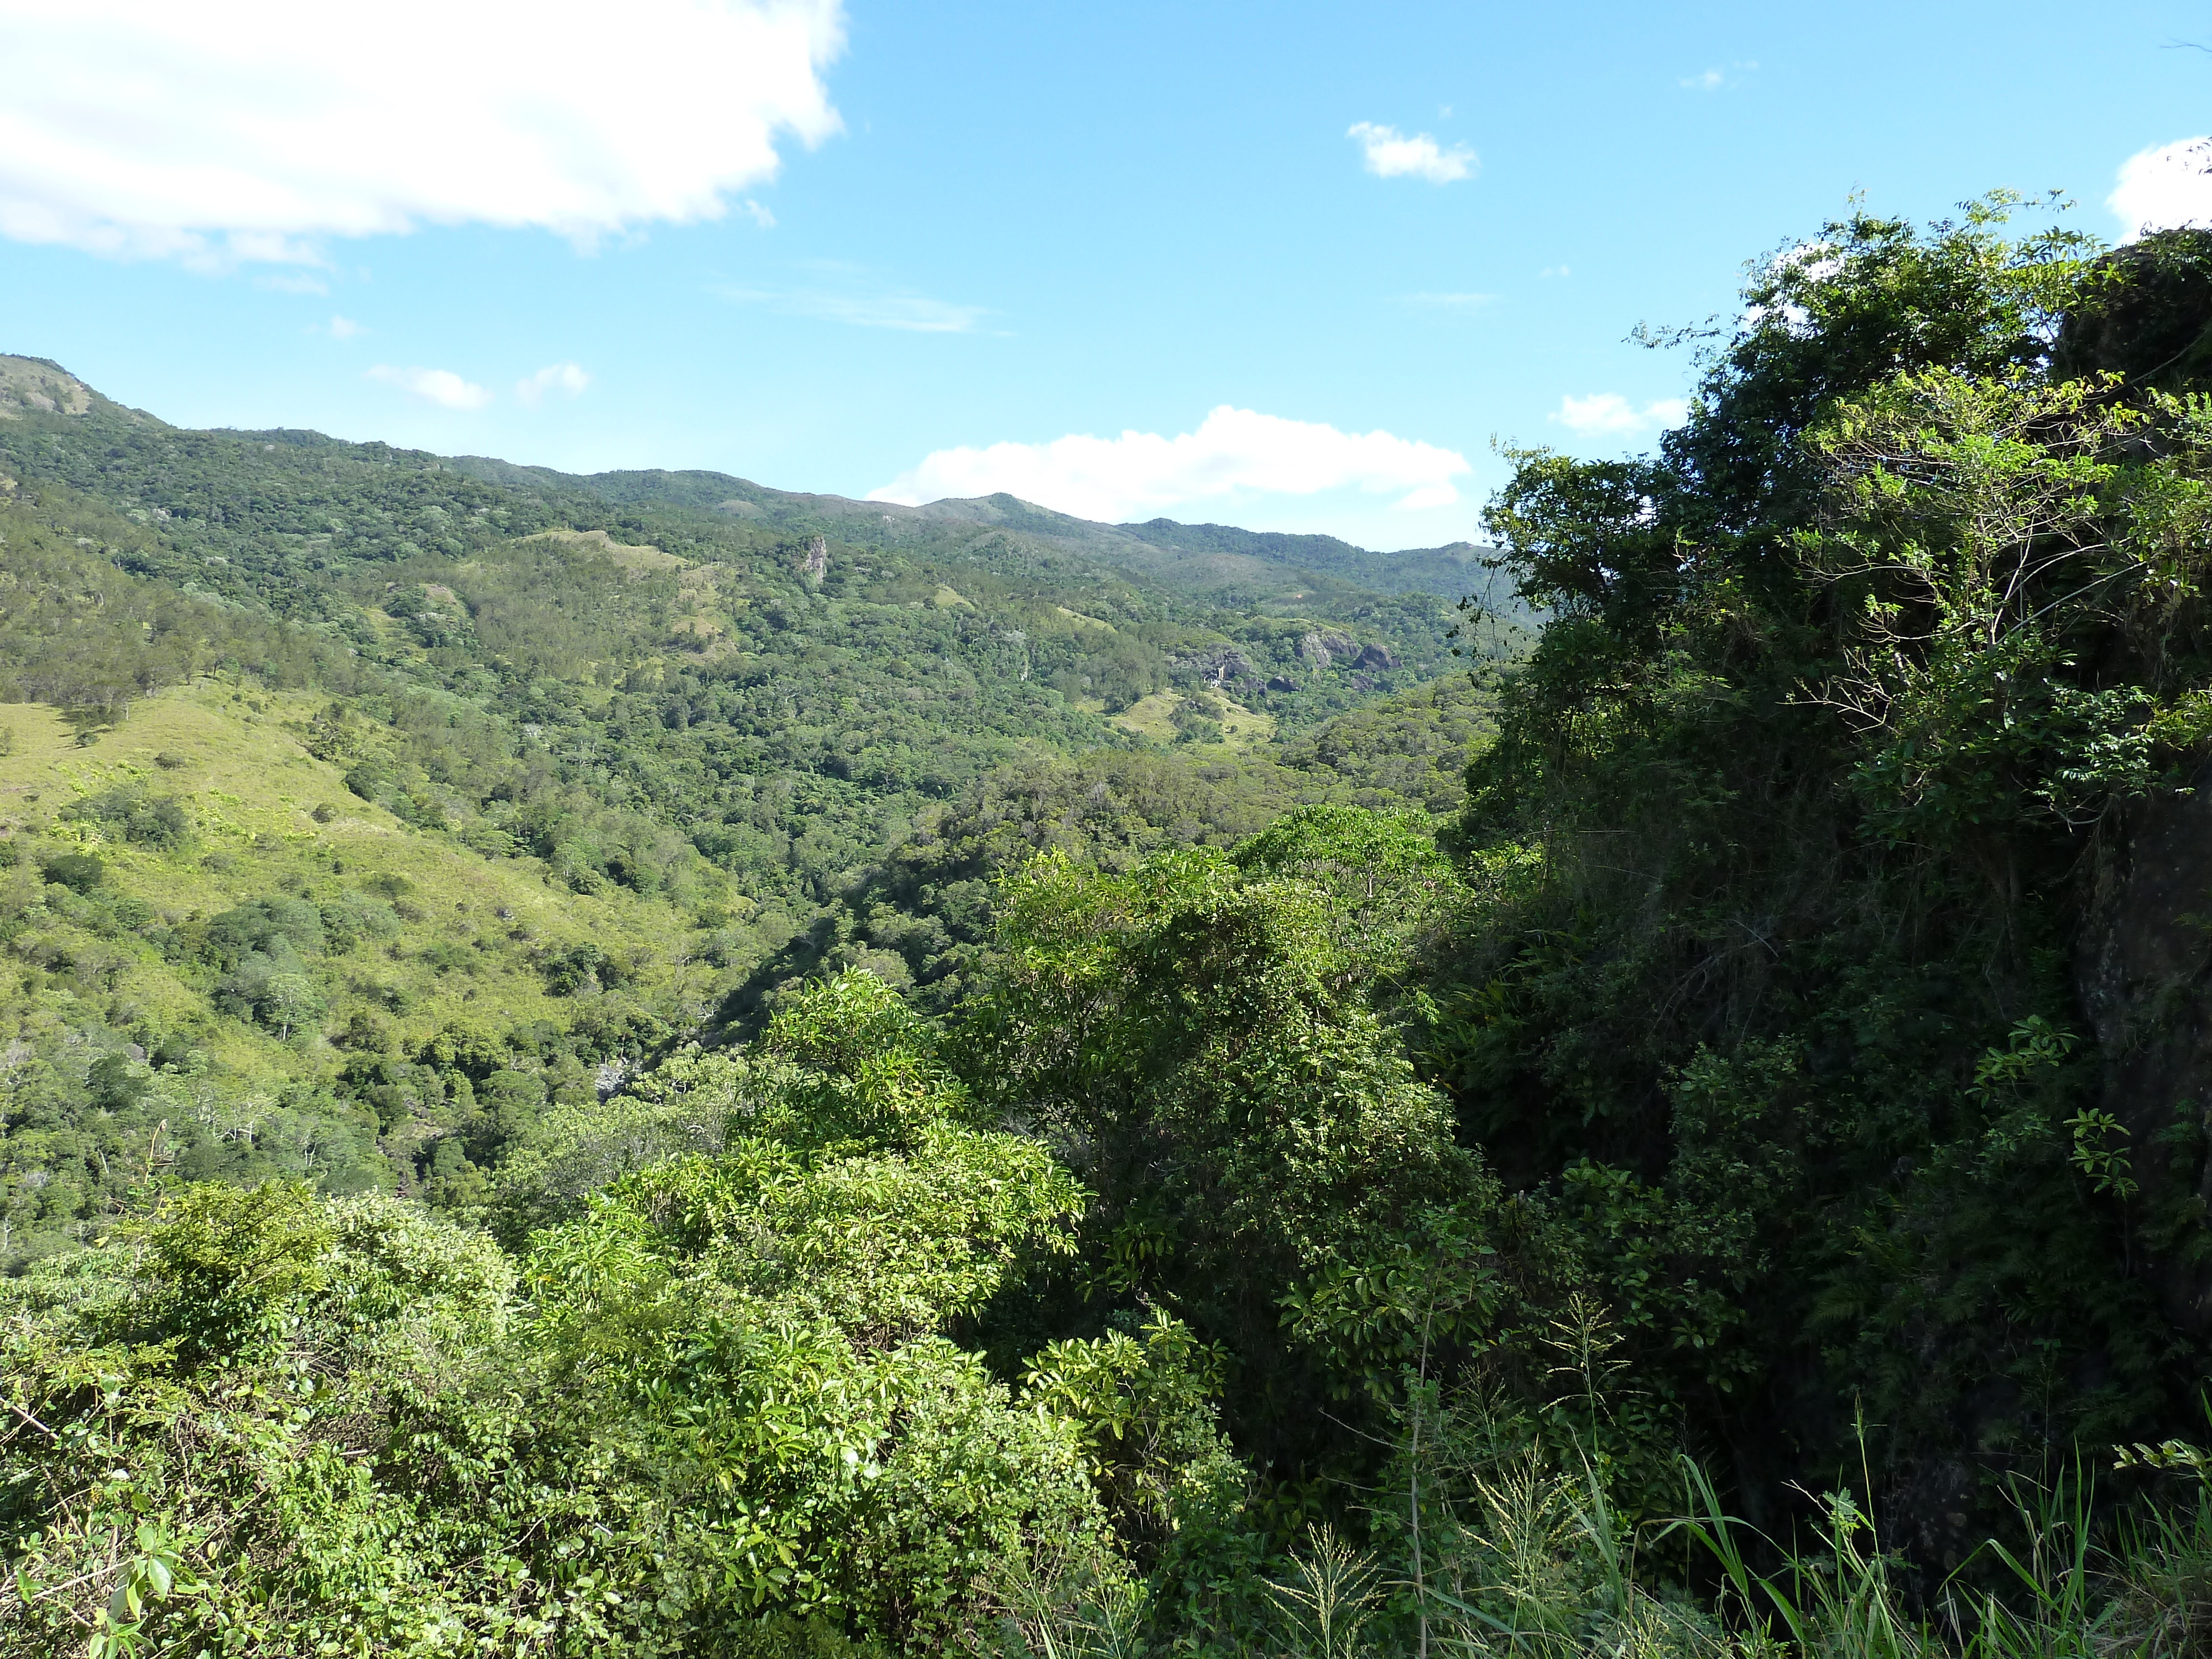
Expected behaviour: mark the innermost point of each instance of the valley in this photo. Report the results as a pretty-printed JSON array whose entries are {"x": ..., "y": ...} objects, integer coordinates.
[{"x": 517, "y": 782}]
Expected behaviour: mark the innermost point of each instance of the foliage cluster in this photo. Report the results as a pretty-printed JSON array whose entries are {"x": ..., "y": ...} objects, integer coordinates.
[
  {"x": 1777, "y": 974},
  {"x": 1170, "y": 1202}
]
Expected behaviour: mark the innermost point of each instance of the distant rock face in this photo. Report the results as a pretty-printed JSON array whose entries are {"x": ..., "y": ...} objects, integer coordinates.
[
  {"x": 1282, "y": 683},
  {"x": 1327, "y": 644},
  {"x": 1220, "y": 665},
  {"x": 34, "y": 384},
  {"x": 1324, "y": 645},
  {"x": 818, "y": 559}
]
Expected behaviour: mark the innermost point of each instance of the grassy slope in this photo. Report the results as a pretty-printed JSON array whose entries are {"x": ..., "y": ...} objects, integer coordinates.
[
  {"x": 254, "y": 791},
  {"x": 94, "y": 975},
  {"x": 1153, "y": 717}
]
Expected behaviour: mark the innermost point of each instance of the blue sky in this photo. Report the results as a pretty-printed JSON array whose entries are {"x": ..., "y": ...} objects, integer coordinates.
[{"x": 918, "y": 249}]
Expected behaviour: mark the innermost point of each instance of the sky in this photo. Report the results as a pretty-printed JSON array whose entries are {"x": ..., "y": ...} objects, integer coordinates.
[{"x": 1293, "y": 266}]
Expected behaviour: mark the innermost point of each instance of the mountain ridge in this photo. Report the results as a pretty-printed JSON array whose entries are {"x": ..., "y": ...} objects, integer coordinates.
[
  {"x": 1202, "y": 558},
  {"x": 1428, "y": 569},
  {"x": 1218, "y": 552}
]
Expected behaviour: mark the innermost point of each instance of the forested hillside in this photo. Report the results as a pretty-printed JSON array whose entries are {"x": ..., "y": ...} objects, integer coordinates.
[
  {"x": 510, "y": 781},
  {"x": 640, "y": 1064}
]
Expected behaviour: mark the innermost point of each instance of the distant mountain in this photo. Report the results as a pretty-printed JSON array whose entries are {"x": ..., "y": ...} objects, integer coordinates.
[
  {"x": 1237, "y": 565},
  {"x": 1198, "y": 557},
  {"x": 690, "y": 647},
  {"x": 1447, "y": 571}
]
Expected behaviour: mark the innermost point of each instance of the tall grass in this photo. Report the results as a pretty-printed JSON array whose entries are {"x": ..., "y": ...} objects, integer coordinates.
[{"x": 1538, "y": 1564}]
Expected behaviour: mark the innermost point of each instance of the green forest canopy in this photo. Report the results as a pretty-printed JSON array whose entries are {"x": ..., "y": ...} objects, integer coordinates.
[{"x": 1148, "y": 1208}]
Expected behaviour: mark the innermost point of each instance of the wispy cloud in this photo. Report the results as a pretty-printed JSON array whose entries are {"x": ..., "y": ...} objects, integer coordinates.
[
  {"x": 343, "y": 328},
  {"x": 439, "y": 387},
  {"x": 1719, "y": 75},
  {"x": 293, "y": 282},
  {"x": 1390, "y": 153},
  {"x": 861, "y": 307},
  {"x": 759, "y": 215},
  {"x": 569, "y": 378},
  {"x": 1234, "y": 452},
  {"x": 2162, "y": 188},
  {"x": 1609, "y": 415}
]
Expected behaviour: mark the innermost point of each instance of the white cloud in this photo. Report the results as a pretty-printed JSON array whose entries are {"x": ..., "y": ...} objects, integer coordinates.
[
  {"x": 441, "y": 387},
  {"x": 1714, "y": 79},
  {"x": 759, "y": 215},
  {"x": 1609, "y": 415},
  {"x": 290, "y": 282},
  {"x": 343, "y": 328},
  {"x": 1391, "y": 155},
  {"x": 1140, "y": 475},
  {"x": 1557, "y": 270},
  {"x": 2161, "y": 188},
  {"x": 914, "y": 314},
  {"x": 554, "y": 377},
  {"x": 225, "y": 131}
]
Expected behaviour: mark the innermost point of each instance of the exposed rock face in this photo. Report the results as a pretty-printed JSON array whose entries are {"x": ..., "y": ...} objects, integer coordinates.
[
  {"x": 1220, "y": 665},
  {"x": 2154, "y": 325},
  {"x": 1324, "y": 645},
  {"x": 817, "y": 560},
  {"x": 1375, "y": 656},
  {"x": 2143, "y": 971},
  {"x": 1282, "y": 683}
]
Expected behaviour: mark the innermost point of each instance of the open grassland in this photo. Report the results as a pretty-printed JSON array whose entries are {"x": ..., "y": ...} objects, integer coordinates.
[
  {"x": 1156, "y": 717},
  {"x": 267, "y": 815}
]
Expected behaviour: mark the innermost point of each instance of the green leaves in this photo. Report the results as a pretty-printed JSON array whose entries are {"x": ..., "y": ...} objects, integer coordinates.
[
  {"x": 1381, "y": 1308},
  {"x": 1850, "y": 692},
  {"x": 1388, "y": 884},
  {"x": 1146, "y": 1407},
  {"x": 862, "y": 1066},
  {"x": 1980, "y": 538},
  {"x": 147, "y": 1578},
  {"x": 214, "y": 1246},
  {"x": 1269, "y": 1170}
]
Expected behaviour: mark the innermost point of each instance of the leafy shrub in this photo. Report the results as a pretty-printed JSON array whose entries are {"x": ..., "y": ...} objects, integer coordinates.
[
  {"x": 150, "y": 821},
  {"x": 580, "y": 969},
  {"x": 264, "y": 924},
  {"x": 81, "y": 873}
]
